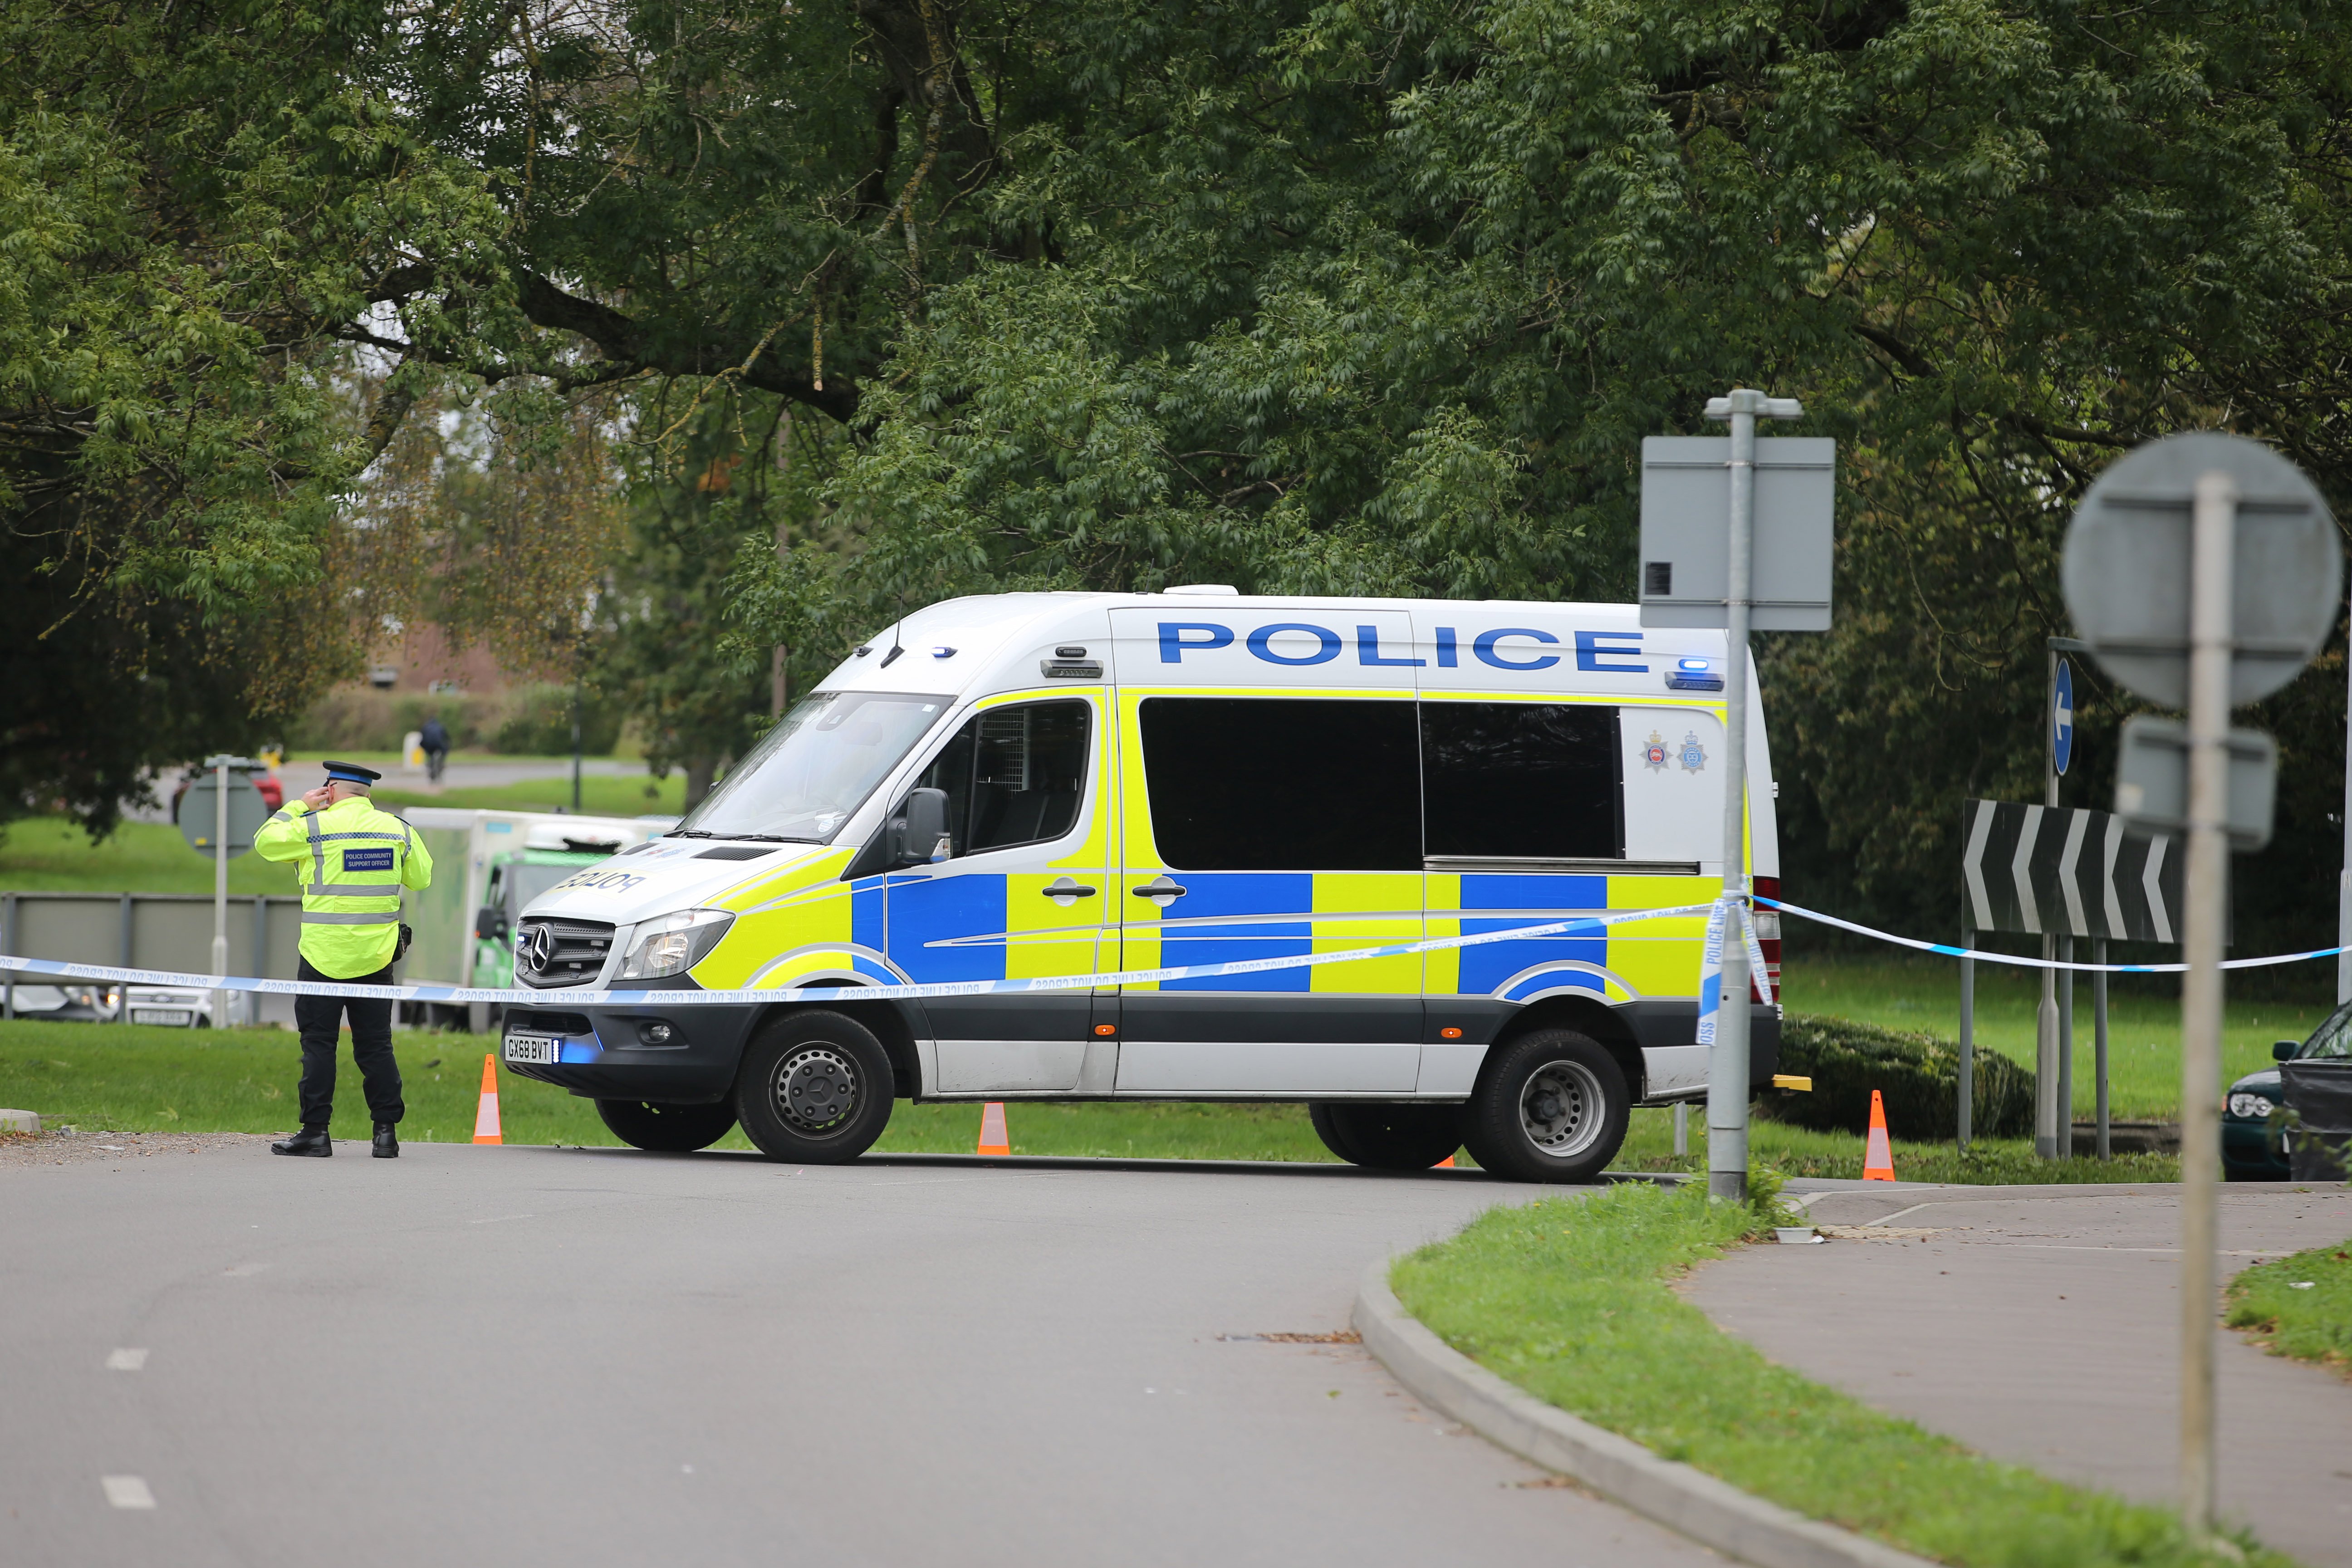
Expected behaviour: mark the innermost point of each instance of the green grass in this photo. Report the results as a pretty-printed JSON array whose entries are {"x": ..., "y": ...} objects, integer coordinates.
[
  {"x": 1572, "y": 1301},
  {"x": 605, "y": 796},
  {"x": 130, "y": 1078},
  {"x": 49, "y": 854},
  {"x": 2299, "y": 1306},
  {"x": 2144, "y": 1032},
  {"x": 1798, "y": 1152}
]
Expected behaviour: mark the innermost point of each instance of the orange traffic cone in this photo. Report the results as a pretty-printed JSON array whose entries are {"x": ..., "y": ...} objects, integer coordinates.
[
  {"x": 1878, "y": 1154},
  {"x": 991, "y": 1129},
  {"x": 486, "y": 1119}
]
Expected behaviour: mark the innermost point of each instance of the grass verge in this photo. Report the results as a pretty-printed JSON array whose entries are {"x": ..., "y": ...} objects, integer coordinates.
[
  {"x": 1571, "y": 1300},
  {"x": 129, "y": 1077},
  {"x": 1800, "y": 1152},
  {"x": 2299, "y": 1306},
  {"x": 132, "y": 1077}
]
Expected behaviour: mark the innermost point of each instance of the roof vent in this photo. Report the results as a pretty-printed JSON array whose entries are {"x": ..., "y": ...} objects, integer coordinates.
[{"x": 1206, "y": 590}]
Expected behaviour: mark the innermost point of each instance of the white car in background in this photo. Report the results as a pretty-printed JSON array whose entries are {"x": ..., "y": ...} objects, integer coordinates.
[
  {"x": 66, "y": 1004},
  {"x": 168, "y": 1005}
]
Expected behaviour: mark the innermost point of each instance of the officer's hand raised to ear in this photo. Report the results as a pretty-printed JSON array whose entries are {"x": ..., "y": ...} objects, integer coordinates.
[{"x": 316, "y": 799}]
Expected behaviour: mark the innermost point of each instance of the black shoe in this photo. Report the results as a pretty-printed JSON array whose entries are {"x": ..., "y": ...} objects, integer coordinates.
[
  {"x": 311, "y": 1140},
  {"x": 387, "y": 1140}
]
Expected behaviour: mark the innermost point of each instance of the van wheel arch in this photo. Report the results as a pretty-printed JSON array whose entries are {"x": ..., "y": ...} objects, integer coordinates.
[
  {"x": 886, "y": 1019},
  {"x": 1589, "y": 1016}
]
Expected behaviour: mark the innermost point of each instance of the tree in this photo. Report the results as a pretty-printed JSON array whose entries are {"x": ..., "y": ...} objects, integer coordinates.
[{"x": 192, "y": 198}]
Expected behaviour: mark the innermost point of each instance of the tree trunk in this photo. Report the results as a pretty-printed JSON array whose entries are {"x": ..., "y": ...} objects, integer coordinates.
[{"x": 699, "y": 773}]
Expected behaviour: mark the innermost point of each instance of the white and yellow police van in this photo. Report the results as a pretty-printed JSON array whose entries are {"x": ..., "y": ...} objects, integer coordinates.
[{"x": 1081, "y": 785}]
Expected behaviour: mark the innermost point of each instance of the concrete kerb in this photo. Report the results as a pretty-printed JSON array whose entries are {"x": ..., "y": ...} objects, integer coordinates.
[{"x": 1712, "y": 1512}]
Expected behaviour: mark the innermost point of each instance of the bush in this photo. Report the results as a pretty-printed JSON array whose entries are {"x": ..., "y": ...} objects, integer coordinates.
[
  {"x": 537, "y": 722},
  {"x": 532, "y": 720},
  {"x": 1917, "y": 1076}
]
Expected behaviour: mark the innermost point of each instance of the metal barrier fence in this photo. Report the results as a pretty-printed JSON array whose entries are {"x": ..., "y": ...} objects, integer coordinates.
[{"x": 151, "y": 930}]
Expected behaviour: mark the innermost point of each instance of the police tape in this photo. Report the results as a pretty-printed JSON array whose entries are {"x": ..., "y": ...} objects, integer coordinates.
[
  {"x": 1948, "y": 951},
  {"x": 561, "y": 996}
]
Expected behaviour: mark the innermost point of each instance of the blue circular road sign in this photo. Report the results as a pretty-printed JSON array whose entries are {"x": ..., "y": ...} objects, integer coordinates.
[{"x": 2061, "y": 716}]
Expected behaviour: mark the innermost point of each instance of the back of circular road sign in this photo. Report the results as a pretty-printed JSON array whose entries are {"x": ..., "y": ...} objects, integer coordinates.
[{"x": 2127, "y": 557}]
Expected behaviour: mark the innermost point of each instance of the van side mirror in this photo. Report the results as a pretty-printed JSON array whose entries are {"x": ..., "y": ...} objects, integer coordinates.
[
  {"x": 489, "y": 925},
  {"x": 2283, "y": 1050},
  {"x": 919, "y": 831}
]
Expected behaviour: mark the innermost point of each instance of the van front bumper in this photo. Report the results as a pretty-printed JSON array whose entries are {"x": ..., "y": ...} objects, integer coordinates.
[{"x": 609, "y": 1053}]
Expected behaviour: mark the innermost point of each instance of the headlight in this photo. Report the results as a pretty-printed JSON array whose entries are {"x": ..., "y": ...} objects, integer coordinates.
[
  {"x": 672, "y": 944},
  {"x": 2249, "y": 1107}
]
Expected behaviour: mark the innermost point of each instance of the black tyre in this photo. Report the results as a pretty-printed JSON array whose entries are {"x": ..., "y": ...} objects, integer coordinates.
[
  {"x": 1550, "y": 1105},
  {"x": 667, "y": 1128},
  {"x": 814, "y": 1087},
  {"x": 1388, "y": 1137}
]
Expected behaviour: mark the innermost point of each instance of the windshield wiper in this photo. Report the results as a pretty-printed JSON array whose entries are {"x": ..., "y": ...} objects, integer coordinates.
[{"x": 743, "y": 837}]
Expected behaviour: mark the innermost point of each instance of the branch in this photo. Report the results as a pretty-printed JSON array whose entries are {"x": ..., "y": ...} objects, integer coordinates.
[{"x": 624, "y": 339}]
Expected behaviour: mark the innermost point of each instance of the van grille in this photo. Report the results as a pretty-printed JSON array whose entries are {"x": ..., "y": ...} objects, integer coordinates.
[{"x": 551, "y": 952}]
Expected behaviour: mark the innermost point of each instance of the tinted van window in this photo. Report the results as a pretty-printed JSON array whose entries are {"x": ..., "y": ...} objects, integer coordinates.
[
  {"x": 1242, "y": 784},
  {"x": 1013, "y": 775},
  {"x": 1522, "y": 779}
]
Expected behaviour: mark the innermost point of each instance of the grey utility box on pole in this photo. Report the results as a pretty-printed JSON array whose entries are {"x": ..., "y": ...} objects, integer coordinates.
[
  {"x": 2205, "y": 572},
  {"x": 1736, "y": 533},
  {"x": 1685, "y": 553}
]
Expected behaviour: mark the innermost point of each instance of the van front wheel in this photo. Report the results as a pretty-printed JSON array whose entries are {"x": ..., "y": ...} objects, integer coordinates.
[
  {"x": 1550, "y": 1105},
  {"x": 814, "y": 1088},
  {"x": 1388, "y": 1137}
]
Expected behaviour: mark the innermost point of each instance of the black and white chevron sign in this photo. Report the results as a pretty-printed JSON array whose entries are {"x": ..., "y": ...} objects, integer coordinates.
[{"x": 2052, "y": 870}]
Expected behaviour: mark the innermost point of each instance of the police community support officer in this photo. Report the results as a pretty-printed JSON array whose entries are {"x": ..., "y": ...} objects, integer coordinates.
[{"x": 354, "y": 861}]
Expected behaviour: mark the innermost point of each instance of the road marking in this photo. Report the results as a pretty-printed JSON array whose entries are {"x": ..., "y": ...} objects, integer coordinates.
[
  {"x": 126, "y": 1492},
  {"x": 1898, "y": 1213},
  {"x": 127, "y": 1361}
]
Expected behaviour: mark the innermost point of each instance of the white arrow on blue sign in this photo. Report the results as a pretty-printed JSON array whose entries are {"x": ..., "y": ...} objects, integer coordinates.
[{"x": 2061, "y": 716}]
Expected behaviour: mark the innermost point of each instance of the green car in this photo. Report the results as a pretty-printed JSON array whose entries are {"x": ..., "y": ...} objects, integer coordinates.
[{"x": 2254, "y": 1135}]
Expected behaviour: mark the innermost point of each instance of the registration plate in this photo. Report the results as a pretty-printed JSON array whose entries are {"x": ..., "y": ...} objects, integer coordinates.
[
  {"x": 180, "y": 1015},
  {"x": 530, "y": 1047}
]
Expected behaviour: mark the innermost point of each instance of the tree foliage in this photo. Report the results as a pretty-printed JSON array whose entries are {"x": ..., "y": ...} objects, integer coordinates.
[{"x": 1362, "y": 296}]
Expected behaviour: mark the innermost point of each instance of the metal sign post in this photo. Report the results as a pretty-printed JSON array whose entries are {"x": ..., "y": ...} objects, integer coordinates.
[
  {"x": 2053, "y": 1074},
  {"x": 218, "y": 816},
  {"x": 2204, "y": 572},
  {"x": 1678, "y": 589},
  {"x": 2200, "y": 988},
  {"x": 220, "y": 884}
]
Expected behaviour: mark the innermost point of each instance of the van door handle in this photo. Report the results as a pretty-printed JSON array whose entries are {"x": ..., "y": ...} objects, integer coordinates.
[
  {"x": 1161, "y": 891},
  {"x": 1064, "y": 888}
]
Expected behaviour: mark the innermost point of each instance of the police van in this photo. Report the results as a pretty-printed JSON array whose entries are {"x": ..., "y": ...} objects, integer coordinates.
[{"x": 1082, "y": 784}]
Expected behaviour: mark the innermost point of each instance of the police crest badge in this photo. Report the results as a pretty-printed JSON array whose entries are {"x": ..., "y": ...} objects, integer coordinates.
[
  {"x": 1655, "y": 753},
  {"x": 1694, "y": 755}
]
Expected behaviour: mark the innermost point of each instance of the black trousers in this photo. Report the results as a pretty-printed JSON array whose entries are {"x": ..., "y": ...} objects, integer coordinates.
[{"x": 320, "y": 1020}]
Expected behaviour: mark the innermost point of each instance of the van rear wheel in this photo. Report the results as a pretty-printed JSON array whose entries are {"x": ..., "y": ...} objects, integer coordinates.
[
  {"x": 814, "y": 1088},
  {"x": 1550, "y": 1105},
  {"x": 667, "y": 1128},
  {"x": 1388, "y": 1137}
]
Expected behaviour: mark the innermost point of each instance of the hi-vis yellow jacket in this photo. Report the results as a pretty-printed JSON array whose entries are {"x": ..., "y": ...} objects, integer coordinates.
[{"x": 355, "y": 860}]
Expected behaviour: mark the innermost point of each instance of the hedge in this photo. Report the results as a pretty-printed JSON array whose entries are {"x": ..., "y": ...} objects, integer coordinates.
[{"x": 1917, "y": 1076}]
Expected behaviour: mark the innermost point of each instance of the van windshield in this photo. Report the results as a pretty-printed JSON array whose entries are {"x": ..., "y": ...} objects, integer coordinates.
[{"x": 805, "y": 778}]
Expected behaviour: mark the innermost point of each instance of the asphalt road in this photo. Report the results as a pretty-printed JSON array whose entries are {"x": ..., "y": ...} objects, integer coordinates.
[{"x": 584, "y": 1357}]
